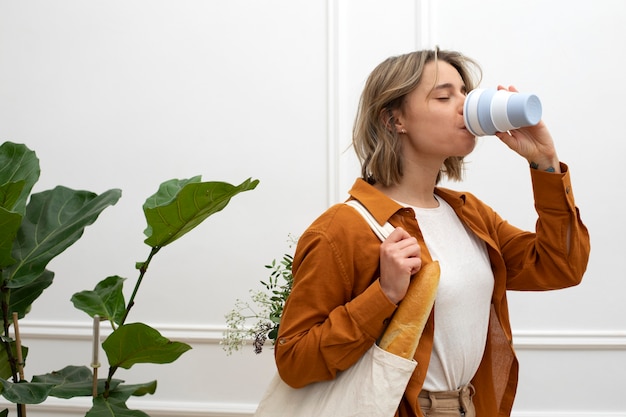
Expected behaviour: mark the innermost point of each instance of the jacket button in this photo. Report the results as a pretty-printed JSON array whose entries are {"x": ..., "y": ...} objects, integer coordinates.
[{"x": 282, "y": 341}]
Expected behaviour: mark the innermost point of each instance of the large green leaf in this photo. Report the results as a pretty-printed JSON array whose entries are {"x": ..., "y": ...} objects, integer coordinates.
[
  {"x": 10, "y": 194},
  {"x": 112, "y": 408},
  {"x": 181, "y": 205},
  {"x": 19, "y": 171},
  {"x": 5, "y": 365},
  {"x": 10, "y": 220},
  {"x": 69, "y": 382},
  {"x": 54, "y": 220},
  {"x": 121, "y": 393},
  {"x": 9, "y": 225},
  {"x": 73, "y": 381},
  {"x": 18, "y": 164},
  {"x": 139, "y": 343},
  {"x": 23, "y": 297},
  {"x": 25, "y": 392},
  {"x": 115, "y": 404},
  {"x": 106, "y": 300}
]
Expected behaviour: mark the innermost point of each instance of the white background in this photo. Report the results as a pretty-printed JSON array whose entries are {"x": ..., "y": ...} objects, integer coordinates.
[{"x": 128, "y": 94}]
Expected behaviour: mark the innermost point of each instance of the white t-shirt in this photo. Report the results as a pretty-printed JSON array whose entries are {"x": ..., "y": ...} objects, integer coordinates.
[{"x": 463, "y": 298}]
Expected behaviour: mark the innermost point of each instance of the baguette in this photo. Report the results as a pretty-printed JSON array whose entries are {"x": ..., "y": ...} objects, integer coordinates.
[{"x": 407, "y": 324}]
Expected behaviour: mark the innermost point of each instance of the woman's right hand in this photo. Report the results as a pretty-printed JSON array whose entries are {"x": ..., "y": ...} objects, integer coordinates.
[{"x": 399, "y": 260}]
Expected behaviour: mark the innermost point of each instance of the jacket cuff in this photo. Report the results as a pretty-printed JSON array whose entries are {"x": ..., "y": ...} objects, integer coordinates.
[
  {"x": 553, "y": 191},
  {"x": 371, "y": 310}
]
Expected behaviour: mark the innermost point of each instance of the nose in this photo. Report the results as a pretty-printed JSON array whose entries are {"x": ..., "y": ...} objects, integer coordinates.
[{"x": 462, "y": 103}]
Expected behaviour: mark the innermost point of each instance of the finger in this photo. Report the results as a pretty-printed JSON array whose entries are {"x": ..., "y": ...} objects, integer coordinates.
[
  {"x": 397, "y": 235},
  {"x": 401, "y": 251},
  {"x": 409, "y": 248},
  {"x": 416, "y": 265},
  {"x": 510, "y": 88}
]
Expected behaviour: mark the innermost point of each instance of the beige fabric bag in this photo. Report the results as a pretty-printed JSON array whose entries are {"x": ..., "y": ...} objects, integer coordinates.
[{"x": 372, "y": 387}]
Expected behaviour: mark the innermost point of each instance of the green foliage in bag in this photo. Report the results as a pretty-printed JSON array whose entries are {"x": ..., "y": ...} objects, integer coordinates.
[{"x": 259, "y": 319}]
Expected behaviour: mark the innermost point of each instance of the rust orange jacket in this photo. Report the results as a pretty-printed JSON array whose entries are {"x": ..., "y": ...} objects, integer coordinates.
[{"x": 337, "y": 308}]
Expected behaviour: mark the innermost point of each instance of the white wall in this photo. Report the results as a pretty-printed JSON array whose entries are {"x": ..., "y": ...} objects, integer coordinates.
[{"x": 127, "y": 94}]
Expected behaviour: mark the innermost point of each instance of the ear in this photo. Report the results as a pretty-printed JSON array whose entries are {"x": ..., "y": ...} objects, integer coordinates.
[
  {"x": 398, "y": 122},
  {"x": 391, "y": 119}
]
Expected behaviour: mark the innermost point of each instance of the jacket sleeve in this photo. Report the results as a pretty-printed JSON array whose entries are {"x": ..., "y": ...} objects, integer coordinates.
[
  {"x": 335, "y": 312},
  {"x": 554, "y": 256}
]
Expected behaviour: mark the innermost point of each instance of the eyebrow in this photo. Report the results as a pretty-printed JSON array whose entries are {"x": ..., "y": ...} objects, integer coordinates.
[{"x": 446, "y": 86}]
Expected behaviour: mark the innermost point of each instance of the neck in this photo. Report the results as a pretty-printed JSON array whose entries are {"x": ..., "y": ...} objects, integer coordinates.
[
  {"x": 417, "y": 185},
  {"x": 414, "y": 191}
]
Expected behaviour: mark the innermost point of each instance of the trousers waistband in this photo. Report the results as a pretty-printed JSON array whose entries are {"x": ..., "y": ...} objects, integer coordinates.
[{"x": 460, "y": 399}]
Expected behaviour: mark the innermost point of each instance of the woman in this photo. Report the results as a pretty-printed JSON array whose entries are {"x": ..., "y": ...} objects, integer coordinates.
[{"x": 409, "y": 132}]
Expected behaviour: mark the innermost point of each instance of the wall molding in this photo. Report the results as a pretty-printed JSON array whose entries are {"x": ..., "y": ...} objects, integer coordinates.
[
  {"x": 332, "y": 102},
  {"x": 569, "y": 340},
  {"x": 66, "y": 408},
  {"x": 567, "y": 414},
  {"x": 423, "y": 24},
  {"x": 213, "y": 333},
  {"x": 66, "y": 330},
  {"x": 78, "y": 407}
]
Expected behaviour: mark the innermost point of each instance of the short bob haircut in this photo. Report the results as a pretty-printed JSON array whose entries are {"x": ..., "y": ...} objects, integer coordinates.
[{"x": 374, "y": 138}]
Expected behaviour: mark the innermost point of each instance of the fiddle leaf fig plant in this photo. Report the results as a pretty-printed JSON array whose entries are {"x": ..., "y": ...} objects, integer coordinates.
[{"x": 35, "y": 228}]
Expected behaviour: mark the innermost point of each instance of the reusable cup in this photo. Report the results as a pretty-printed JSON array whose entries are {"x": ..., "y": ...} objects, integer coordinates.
[{"x": 488, "y": 111}]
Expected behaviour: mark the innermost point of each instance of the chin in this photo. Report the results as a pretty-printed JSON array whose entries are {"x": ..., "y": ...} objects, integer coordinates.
[{"x": 471, "y": 145}]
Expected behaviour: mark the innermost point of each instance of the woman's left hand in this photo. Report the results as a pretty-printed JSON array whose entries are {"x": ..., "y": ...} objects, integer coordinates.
[{"x": 533, "y": 143}]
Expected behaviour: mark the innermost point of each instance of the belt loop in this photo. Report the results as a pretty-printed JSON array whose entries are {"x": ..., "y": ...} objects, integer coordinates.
[
  {"x": 433, "y": 400},
  {"x": 465, "y": 397}
]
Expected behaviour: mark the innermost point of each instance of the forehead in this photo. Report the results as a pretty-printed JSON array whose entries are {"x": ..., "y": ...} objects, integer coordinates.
[{"x": 439, "y": 73}]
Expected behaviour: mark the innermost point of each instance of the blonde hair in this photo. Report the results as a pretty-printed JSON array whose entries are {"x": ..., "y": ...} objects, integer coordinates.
[{"x": 374, "y": 139}]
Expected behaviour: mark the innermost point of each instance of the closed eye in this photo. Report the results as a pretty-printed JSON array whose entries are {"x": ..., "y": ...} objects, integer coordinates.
[{"x": 448, "y": 89}]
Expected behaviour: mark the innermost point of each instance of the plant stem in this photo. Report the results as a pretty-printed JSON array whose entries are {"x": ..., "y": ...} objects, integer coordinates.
[
  {"x": 142, "y": 272},
  {"x": 107, "y": 383},
  {"x": 131, "y": 302},
  {"x": 6, "y": 341},
  {"x": 21, "y": 408}
]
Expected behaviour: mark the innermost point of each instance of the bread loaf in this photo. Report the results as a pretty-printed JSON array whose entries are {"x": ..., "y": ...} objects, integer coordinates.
[{"x": 405, "y": 328}]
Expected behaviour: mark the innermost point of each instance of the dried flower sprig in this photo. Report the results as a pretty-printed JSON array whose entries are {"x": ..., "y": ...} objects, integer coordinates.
[{"x": 264, "y": 310}]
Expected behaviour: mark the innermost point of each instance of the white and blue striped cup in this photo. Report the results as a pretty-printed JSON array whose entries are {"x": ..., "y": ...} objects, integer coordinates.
[{"x": 488, "y": 111}]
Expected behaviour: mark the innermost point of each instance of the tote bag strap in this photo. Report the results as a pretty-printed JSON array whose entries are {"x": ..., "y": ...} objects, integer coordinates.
[
  {"x": 381, "y": 376},
  {"x": 382, "y": 231}
]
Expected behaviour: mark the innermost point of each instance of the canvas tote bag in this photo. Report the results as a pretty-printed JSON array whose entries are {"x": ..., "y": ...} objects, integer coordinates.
[{"x": 372, "y": 387}]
